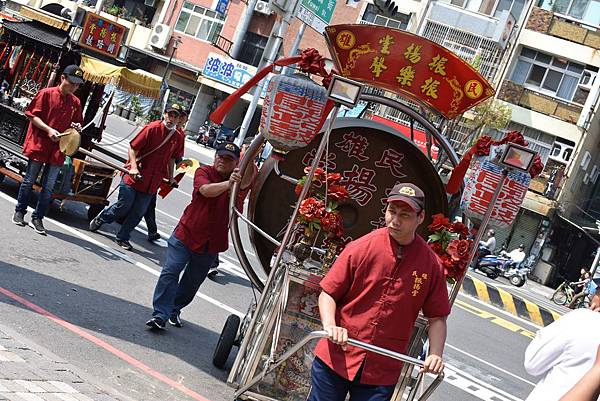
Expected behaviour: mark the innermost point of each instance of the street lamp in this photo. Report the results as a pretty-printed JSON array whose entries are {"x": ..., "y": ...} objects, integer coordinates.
[{"x": 176, "y": 41}]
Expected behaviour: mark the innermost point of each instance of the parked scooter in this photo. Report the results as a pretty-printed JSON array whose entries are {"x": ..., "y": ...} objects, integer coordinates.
[{"x": 495, "y": 266}]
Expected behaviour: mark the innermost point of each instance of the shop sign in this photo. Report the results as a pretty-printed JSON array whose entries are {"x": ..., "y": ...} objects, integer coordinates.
[
  {"x": 102, "y": 35},
  {"x": 229, "y": 71},
  {"x": 316, "y": 13},
  {"x": 222, "y": 7},
  {"x": 407, "y": 64}
]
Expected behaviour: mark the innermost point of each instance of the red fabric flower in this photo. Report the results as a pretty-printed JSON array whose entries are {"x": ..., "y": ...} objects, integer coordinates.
[
  {"x": 536, "y": 166},
  {"x": 337, "y": 192},
  {"x": 437, "y": 247},
  {"x": 332, "y": 222},
  {"x": 298, "y": 189},
  {"x": 460, "y": 229},
  {"x": 482, "y": 146},
  {"x": 311, "y": 209},
  {"x": 438, "y": 223},
  {"x": 312, "y": 62},
  {"x": 333, "y": 178},
  {"x": 514, "y": 137}
]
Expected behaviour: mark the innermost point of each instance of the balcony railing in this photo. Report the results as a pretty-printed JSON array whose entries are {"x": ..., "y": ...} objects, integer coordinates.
[
  {"x": 223, "y": 43},
  {"x": 521, "y": 96},
  {"x": 563, "y": 27}
]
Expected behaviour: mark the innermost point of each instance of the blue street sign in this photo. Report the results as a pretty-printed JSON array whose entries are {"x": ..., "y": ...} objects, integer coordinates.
[{"x": 222, "y": 7}]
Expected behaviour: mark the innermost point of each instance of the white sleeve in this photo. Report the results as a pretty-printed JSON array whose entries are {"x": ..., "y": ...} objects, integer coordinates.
[{"x": 546, "y": 349}]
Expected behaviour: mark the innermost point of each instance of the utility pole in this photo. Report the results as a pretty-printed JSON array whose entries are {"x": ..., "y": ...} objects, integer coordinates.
[
  {"x": 243, "y": 25},
  {"x": 271, "y": 51}
]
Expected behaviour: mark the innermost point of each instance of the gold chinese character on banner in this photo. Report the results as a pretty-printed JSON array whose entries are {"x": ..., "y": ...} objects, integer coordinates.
[
  {"x": 438, "y": 65},
  {"x": 406, "y": 75},
  {"x": 103, "y": 33},
  {"x": 113, "y": 37},
  {"x": 385, "y": 43},
  {"x": 92, "y": 28},
  {"x": 378, "y": 66},
  {"x": 413, "y": 53},
  {"x": 430, "y": 88}
]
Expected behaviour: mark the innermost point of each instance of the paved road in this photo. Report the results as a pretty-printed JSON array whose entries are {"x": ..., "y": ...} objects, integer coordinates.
[{"x": 84, "y": 278}]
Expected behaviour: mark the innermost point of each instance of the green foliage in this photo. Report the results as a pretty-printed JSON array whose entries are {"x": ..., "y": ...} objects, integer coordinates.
[{"x": 136, "y": 107}]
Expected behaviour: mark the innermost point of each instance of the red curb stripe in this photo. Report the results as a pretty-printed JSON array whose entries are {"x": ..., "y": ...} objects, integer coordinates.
[{"x": 103, "y": 344}]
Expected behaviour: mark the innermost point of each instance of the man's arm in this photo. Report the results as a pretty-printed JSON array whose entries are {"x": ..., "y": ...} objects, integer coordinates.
[
  {"x": 437, "y": 339},
  {"x": 588, "y": 388},
  {"x": 327, "y": 307},
  {"x": 39, "y": 124},
  {"x": 215, "y": 189},
  {"x": 133, "y": 166}
]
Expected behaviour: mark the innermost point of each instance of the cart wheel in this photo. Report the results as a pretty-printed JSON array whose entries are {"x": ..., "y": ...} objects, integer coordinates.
[
  {"x": 226, "y": 341},
  {"x": 94, "y": 210}
]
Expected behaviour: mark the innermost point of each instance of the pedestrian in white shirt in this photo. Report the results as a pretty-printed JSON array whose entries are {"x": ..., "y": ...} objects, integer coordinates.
[
  {"x": 564, "y": 352},
  {"x": 517, "y": 256}
]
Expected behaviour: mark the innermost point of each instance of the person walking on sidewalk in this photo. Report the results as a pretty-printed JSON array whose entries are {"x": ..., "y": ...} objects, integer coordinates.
[
  {"x": 152, "y": 155},
  {"x": 51, "y": 112},
  {"x": 564, "y": 351},
  {"x": 150, "y": 216},
  {"x": 389, "y": 275},
  {"x": 199, "y": 236}
]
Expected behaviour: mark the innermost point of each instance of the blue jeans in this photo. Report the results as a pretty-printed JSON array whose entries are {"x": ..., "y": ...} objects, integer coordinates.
[
  {"x": 48, "y": 181},
  {"x": 131, "y": 205},
  {"x": 150, "y": 217},
  {"x": 172, "y": 294},
  {"x": 326, "y": 385}
]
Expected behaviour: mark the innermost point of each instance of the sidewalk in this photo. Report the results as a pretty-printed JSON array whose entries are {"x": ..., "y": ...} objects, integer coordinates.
[{"x": 29, "y": 372}]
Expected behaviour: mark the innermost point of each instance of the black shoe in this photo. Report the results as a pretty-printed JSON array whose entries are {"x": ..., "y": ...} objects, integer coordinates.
[
  {"x": 19, "y": 219},
  {"x": 153, "y": 237},
  {"x": 37, "y": 226},
  {"x": 212, "y": 272},
  {"x": 123, "y": 243},
  {"x": 95, "y": 224},
  {"x": 156, "y": 323},
  {"x": 175, "y": 320}
]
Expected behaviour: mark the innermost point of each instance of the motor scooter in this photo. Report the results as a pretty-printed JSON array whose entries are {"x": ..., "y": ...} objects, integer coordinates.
[{"x": 495, "y": 266}]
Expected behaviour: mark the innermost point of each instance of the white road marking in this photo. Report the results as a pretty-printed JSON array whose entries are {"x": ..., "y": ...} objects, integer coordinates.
[
  {"x": 489, "y": 364},
  {"x": 121, "y": 255}
]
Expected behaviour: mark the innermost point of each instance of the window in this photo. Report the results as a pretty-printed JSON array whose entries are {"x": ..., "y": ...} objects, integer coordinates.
[
  {"x": 203, "y": 23},
  {"x": 554, "y": 76},
  {"x": 253, "y": 47},
  {"x": 373, "y": 15},
  {"x": 586, "y": 10}
]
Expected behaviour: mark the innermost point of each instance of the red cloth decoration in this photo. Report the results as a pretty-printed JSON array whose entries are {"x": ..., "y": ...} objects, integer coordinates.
[
  {"x": 482, "y": 148},
  {"x": 310, "y": 61}
]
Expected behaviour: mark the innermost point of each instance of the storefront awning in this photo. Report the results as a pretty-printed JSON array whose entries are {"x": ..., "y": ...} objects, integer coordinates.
[
  {"x": 45, "y": 18},
  {"x": 138, "y": 82},
  {"x": 538, "y": 204},
  {"x": 587, "y": 231},
  {"x": 37, "y": 32}
]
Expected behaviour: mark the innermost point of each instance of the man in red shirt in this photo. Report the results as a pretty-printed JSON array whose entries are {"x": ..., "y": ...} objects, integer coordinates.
[
  {"x": 200, "y": 235},
  {"x": 150, "y": 216},
  {"x": 51, "y": 112},
  {"x": 152, "y": 155},
  {"x": 373, "y": 293}
]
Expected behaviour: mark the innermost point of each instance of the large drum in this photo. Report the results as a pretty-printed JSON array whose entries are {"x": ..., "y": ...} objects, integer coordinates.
[{"x": 371, "y": 157}]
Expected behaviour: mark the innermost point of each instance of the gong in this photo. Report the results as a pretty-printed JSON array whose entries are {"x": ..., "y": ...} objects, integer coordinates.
[{"x": 371, "y": 157}]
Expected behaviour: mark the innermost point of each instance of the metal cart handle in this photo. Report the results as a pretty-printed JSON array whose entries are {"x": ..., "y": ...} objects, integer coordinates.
[{"x": 360, "y": 344}]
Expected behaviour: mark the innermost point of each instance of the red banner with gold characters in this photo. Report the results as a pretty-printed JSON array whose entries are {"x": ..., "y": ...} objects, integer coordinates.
[
  {"x": 408, "y": 64},
  {"x": 102, "y": 35}
]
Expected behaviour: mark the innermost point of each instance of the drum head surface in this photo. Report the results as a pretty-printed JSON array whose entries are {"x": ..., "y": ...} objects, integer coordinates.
[
  {"x": 371, "y": 157},
  {"x": 69, "y": 142}
]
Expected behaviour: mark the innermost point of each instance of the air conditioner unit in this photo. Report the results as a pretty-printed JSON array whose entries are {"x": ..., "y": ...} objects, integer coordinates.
[
  {"x": 150, "y": 3},
  {"x": 594, "y": 174},
  {"x": 585, "y": 161},
  {"x": 262, "y": 7},
  {"x": 160, "y": 36},
  {"x": 587, "y": 79},
  {"x": 561, "y": 152}
]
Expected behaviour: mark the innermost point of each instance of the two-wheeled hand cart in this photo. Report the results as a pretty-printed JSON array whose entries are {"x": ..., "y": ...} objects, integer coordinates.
[
  {"x": 274, "y": 338},
  {"x": 32, "y": 55}
]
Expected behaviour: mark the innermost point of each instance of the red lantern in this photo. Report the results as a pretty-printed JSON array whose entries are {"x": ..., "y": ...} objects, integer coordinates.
[{"x": 292, "y": 112}]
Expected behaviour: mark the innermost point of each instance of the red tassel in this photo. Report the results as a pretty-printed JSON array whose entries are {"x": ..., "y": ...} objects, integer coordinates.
[
  {"x": 220, "y": 112},
  {"x": 458, "y": 174}
]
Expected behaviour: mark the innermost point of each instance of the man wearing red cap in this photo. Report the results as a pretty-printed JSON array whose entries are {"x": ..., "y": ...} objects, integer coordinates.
[{"x": 373, "y": 293}]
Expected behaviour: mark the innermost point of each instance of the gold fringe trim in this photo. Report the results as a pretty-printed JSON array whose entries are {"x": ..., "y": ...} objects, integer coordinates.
[{"x": 44, "y": 18}]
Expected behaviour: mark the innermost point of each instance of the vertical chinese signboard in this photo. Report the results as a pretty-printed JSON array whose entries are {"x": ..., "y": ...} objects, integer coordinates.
[
  {"x": 407, "y": 64},
  {"x": 102, "y": 35},
  {"x": 481, "y": 182}
]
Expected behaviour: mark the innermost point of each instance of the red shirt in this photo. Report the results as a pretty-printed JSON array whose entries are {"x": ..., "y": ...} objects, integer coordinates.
[
  {"x": 378, "y": 301},
  {"x": 205, "y": 220},
  {"x": 57, "y": 111},
  {"x": 155, "y": 166}
]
